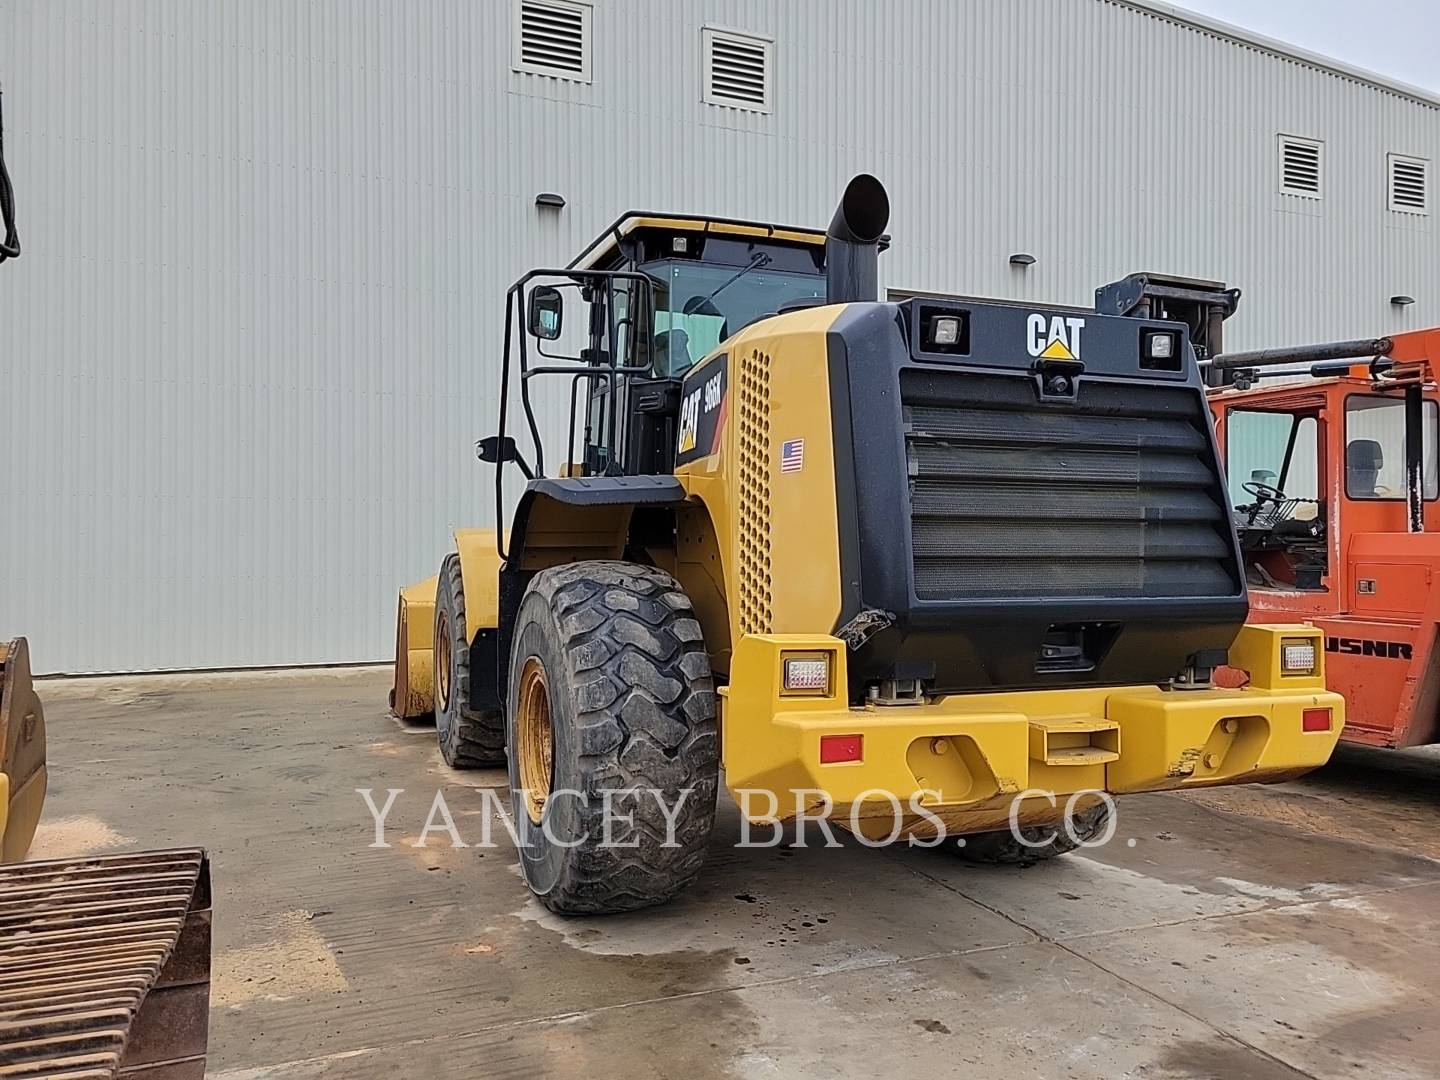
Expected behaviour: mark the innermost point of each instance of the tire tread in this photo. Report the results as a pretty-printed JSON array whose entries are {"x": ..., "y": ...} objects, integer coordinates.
[
  {"x": 478, "y": 740},
  {"x": 645, "y": 715}
]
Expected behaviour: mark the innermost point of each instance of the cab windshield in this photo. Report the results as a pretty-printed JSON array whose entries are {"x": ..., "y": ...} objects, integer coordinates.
[{"x": 692, "y": 317}]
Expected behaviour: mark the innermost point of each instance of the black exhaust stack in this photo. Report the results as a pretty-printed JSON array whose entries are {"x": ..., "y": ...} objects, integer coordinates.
[{"x": 852, "y": 242}]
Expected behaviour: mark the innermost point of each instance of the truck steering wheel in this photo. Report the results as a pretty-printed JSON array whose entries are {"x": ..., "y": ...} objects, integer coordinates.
[{"x": 1263, "y": 491}]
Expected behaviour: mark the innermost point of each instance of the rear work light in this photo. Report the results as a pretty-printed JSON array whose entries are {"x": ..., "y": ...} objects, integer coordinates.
[
  {"x": 1160, "y": 350},
  {"x": 1315, "y": 720},
  {"x": 945, "y": 330},
  {"x": 806, "y": 674},
  {"x": 1297, "y": 657},
  {"x": 837, "y": 748}
]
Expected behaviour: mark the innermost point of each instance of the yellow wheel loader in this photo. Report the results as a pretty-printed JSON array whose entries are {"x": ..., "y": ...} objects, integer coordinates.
[{"x": 919, "y": 568}]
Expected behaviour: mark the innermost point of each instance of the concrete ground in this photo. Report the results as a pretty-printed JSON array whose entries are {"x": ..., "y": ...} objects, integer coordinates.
[{"x": 1262, "y": 933}]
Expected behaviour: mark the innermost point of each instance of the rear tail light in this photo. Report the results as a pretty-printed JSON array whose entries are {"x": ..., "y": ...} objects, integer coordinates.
[
  {"x": 1315, "y": 720},
  {"x": 837, "y": 748}
]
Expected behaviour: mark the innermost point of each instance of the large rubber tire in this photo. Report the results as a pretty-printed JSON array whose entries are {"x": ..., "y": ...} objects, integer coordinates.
[
  {"x": 631, "y": 704},
  {"x": 469, "y": 738},
  {"x": 1002, "y": 846}
]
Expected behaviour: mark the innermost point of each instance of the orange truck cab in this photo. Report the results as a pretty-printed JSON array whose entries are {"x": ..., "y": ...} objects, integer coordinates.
[{"x": 1335, "y": 487}]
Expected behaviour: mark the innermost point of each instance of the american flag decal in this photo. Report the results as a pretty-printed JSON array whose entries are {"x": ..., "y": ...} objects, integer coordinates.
[{"x": 792, "y": 455}]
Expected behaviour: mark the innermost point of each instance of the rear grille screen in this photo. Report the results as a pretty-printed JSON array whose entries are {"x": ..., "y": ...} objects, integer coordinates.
[
  {"x": 754, "y": 525},
  {"x": 1115, "y": 496}
]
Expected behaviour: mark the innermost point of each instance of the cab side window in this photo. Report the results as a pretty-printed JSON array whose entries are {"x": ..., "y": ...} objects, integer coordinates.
[
  {"x": 1279, "y": 450},
  {"x": 1375, "y": 447}
]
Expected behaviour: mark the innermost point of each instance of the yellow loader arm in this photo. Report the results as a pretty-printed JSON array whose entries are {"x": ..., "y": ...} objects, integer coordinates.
[{"x": 22, "y": 752}]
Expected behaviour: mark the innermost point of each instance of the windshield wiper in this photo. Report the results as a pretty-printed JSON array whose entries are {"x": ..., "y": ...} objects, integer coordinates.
[{"x": 696, "y": 305}]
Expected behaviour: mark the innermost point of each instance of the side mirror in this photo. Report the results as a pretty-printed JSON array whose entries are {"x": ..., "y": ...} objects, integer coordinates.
[
  {"x": 495, "y": 451},
  {"x": 543, "y": 317}
]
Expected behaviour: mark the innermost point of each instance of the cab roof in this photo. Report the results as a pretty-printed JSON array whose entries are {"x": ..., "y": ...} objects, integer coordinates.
[{"x": 606, "y": 244}]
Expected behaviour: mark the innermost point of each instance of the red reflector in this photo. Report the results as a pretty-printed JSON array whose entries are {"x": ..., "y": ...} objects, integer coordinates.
[
  {"x": 1315, "y": 720},
  {"x": 837, "y": 748},
  {"x": 1229, "y": 678}
]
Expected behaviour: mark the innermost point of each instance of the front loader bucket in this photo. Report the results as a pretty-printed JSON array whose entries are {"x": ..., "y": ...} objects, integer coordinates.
[
  {"x": 413, "y": 692},
  {"x": 22, "y": 752}
]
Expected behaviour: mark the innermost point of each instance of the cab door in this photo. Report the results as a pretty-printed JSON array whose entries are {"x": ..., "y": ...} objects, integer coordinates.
[{"x": 1278, "y": 482}]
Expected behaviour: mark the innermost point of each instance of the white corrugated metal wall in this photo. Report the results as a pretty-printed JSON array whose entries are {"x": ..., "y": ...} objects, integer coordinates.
[{"x": 254, "y": 334}]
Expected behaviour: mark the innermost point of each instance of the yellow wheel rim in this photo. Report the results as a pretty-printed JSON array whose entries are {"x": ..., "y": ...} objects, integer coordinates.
[
  {"x": 536, "y": 738},
  {"x": 442, "y": 662}
]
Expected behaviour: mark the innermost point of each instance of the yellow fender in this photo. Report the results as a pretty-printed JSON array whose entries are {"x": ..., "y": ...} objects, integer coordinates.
[
  {"x": 413, "y": 692},
  {"x": 23, "y": 776},
  {"x": 480, "y": 576}
]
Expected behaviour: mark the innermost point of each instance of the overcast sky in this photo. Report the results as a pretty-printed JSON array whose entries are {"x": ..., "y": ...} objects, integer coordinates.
[{"x": 1397, "y": 38}]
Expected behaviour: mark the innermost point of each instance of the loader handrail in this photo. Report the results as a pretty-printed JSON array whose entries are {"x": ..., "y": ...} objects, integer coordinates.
[{"x": 600, "y": 360}]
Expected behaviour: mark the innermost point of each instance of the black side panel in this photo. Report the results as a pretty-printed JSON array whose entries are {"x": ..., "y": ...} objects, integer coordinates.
[
  {"x": 654, "y": 406},
  {"x": 702, "y": 410},
  {"x": 846, "y": 490},
  {"x": 513, "y": 584},
  {"x": 486, "y": 693}
]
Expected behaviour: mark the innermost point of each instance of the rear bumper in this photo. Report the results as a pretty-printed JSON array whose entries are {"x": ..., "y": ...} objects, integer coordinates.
[{"x": 967, "y": 757}]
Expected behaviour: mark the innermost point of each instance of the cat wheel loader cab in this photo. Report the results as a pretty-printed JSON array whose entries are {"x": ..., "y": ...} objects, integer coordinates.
[
  {"x": 911, "y": 567},
  {"x": 1335, "y": 489}
]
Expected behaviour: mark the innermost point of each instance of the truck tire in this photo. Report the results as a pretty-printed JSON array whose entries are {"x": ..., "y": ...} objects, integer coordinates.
[
  {"x": 469, "y": 738},
  {"x": 610, "y": 690},
  {"x": 1002, "y": 847}
]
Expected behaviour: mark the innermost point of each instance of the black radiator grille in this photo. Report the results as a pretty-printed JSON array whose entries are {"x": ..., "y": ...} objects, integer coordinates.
[{"x": 1114, "y": 496}]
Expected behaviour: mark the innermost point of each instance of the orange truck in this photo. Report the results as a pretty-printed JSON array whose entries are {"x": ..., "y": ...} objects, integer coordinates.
[
  {"x": 1336, "y": 495},
  {"x": 1335, "y": 488}
]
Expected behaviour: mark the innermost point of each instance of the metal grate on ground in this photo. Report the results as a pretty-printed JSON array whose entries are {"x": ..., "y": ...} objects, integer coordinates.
[{"x": 105, "y": 967}]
